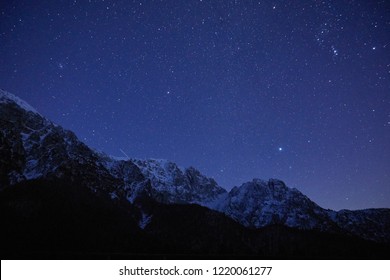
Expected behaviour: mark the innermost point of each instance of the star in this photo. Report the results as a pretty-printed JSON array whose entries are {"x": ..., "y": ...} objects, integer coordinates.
[
  {"x": 335, "y": 51},
  {"x": 280, "y": 149}
]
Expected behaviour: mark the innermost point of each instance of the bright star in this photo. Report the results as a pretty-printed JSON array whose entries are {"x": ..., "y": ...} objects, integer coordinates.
[{"x": 280, "y": 149}]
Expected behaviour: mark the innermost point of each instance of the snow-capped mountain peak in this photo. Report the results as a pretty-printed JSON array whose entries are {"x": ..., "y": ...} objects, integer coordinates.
[
  {"x": 259, "y": 203},
  {"x": 173, "y": 184}
]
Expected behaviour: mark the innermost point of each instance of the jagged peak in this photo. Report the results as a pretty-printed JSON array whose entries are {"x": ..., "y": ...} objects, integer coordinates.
[{"x": 6, "y": 97}]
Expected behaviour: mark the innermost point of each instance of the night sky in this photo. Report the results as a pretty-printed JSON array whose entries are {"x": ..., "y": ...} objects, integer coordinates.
[{"x": 295, "y": 90}]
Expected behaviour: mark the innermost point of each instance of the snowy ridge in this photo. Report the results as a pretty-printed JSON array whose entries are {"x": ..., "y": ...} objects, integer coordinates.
[
  {"x": 172, "y": 184},
  {"x": 33, "y": 148},
  {"x": 6, "y": 97}
]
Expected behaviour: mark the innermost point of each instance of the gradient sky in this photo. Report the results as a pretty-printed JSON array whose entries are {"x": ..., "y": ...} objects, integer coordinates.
[{"x": 295, "y": 90}]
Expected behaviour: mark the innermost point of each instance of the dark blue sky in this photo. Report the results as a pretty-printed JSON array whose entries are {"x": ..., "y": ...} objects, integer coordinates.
[{"x": 297, "y": 90}]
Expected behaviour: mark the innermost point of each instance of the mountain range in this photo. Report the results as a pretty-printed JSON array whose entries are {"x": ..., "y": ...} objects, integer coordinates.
[{"x": 60, "y": 198}]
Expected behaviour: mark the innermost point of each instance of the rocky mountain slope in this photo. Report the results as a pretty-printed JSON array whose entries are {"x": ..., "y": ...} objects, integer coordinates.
[{"x": 32, "y": 147}]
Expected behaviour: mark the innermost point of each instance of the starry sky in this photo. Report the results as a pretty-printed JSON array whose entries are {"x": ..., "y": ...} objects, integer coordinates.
[{"x": 295, "y": 90}]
